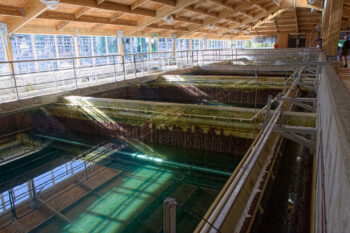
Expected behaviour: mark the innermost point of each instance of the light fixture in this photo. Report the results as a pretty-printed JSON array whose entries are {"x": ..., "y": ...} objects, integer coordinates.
[
  {"x": 51, "y": 4},
  {"x": 246, "y": 32},
  {"x": 169, "y": 19},
  {"x": 211, "y": 26},
  {"x": 235, "y": 31}
]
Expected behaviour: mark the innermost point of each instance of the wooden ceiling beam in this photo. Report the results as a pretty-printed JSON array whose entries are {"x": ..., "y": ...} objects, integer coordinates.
[
  {"x": 12, "y": 11},
  {"x": 138, "y": 3},
  {"x": 81, "y": 12},
  {"x": 115, "y": 16},
  {"x": 97, "y": 27},
  {"x": 202, "y": 12},
  {"x": 222, "y": 15},
  {"x": 100, "y": 20},
  {"x": 62, "y": 25},
  {"x": 98, "y": 2},
  {"x": 266, "y": 19},
  {"x": 110, "y": 6},
  {"x": 84, "y": 19},
  {"x": 32, "y": 9},
  {"x": 160, "y": 13}
]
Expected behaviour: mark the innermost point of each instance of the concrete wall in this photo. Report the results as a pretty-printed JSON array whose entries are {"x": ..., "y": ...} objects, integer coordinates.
[{"x": 332, "y": 164}]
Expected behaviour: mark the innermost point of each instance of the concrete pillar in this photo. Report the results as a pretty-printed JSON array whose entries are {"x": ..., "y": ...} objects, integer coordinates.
[{"x": 282, "y": 40}]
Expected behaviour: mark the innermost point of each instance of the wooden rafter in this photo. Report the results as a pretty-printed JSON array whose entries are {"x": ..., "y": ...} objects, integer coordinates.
[
  {"x": 115, "y": 16},
  {"x": 81, "y": 12},
  {"x": 160, "y": 13},
  {"x": 110, "y": 6},
  {"x": 62, "y": 25},
  {"x": 13, "y": 11},
  {"x": 266, "y": 19},
  {"x": 98, "y": 2},
  {"x": 223, "y": 14},
  {"x": 32, "y": 9},
  {"x": 248, "y": 21},
  {"x": 97, "y": 27},
  {"x": 84, "y": 19},
  {"x": 138, "y": 3}
]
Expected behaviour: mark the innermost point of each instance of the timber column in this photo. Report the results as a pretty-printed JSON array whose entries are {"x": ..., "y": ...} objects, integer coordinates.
[{"x": 331, "y": 22}]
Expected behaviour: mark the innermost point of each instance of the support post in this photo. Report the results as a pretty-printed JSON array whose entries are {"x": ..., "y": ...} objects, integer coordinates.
[
  {"x": 334, "y": 27},
  {"x": 169, "y": 219}
]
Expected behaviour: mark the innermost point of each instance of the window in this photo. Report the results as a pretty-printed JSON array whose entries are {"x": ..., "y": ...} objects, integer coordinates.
[
  {"x": 85, "y": 50},
  {"x": 112, "y": 45},
  {"x": 22, "y": 49},
  {"x": 4, "y": 68},
  {"x": 45, "y": 48},
  {"x": 65, "y": 48},
  {"x": 100, "y": 49},
  {"x": 127, "y": 45}
]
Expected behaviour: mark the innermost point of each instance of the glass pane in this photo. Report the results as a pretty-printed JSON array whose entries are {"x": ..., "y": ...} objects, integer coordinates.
[
  {"x": 4, "y": 68},
  {"x": 45, "y": 48},
  {"x": 127, "y": 45},
  {"x": 100, "y": 49},
  {"x": 66, "y": 48},
  {"x": 85, "y": 50},
  {"x": 112, "y": 45},
  {"x": 23, "y": 50}
]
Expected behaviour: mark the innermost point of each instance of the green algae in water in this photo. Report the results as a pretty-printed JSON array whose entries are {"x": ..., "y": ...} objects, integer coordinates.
[{"x": 133, "y": 200}]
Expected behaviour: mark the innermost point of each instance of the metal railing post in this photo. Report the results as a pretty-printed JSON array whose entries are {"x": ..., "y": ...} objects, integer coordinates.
[
  {"x": 14, "y": 79},
  {"x": 12, "y": 204},
  {"x": 134, "y": 61},
  {"x": 124, "y": 70},
  {"x": 142, "y": 64},
  {"x": 187, "y": 61},
  {"x": 75, "y": 74},
  {"x": 115, "y": 72},
  {"x": 192, "y": 58}
]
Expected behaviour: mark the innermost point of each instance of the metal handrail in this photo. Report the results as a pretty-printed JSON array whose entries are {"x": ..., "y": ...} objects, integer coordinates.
[{"x": 38, "y": 78}]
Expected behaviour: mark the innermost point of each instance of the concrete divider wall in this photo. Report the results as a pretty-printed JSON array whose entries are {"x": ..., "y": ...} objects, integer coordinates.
[{"x": 332, "y": 164}]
